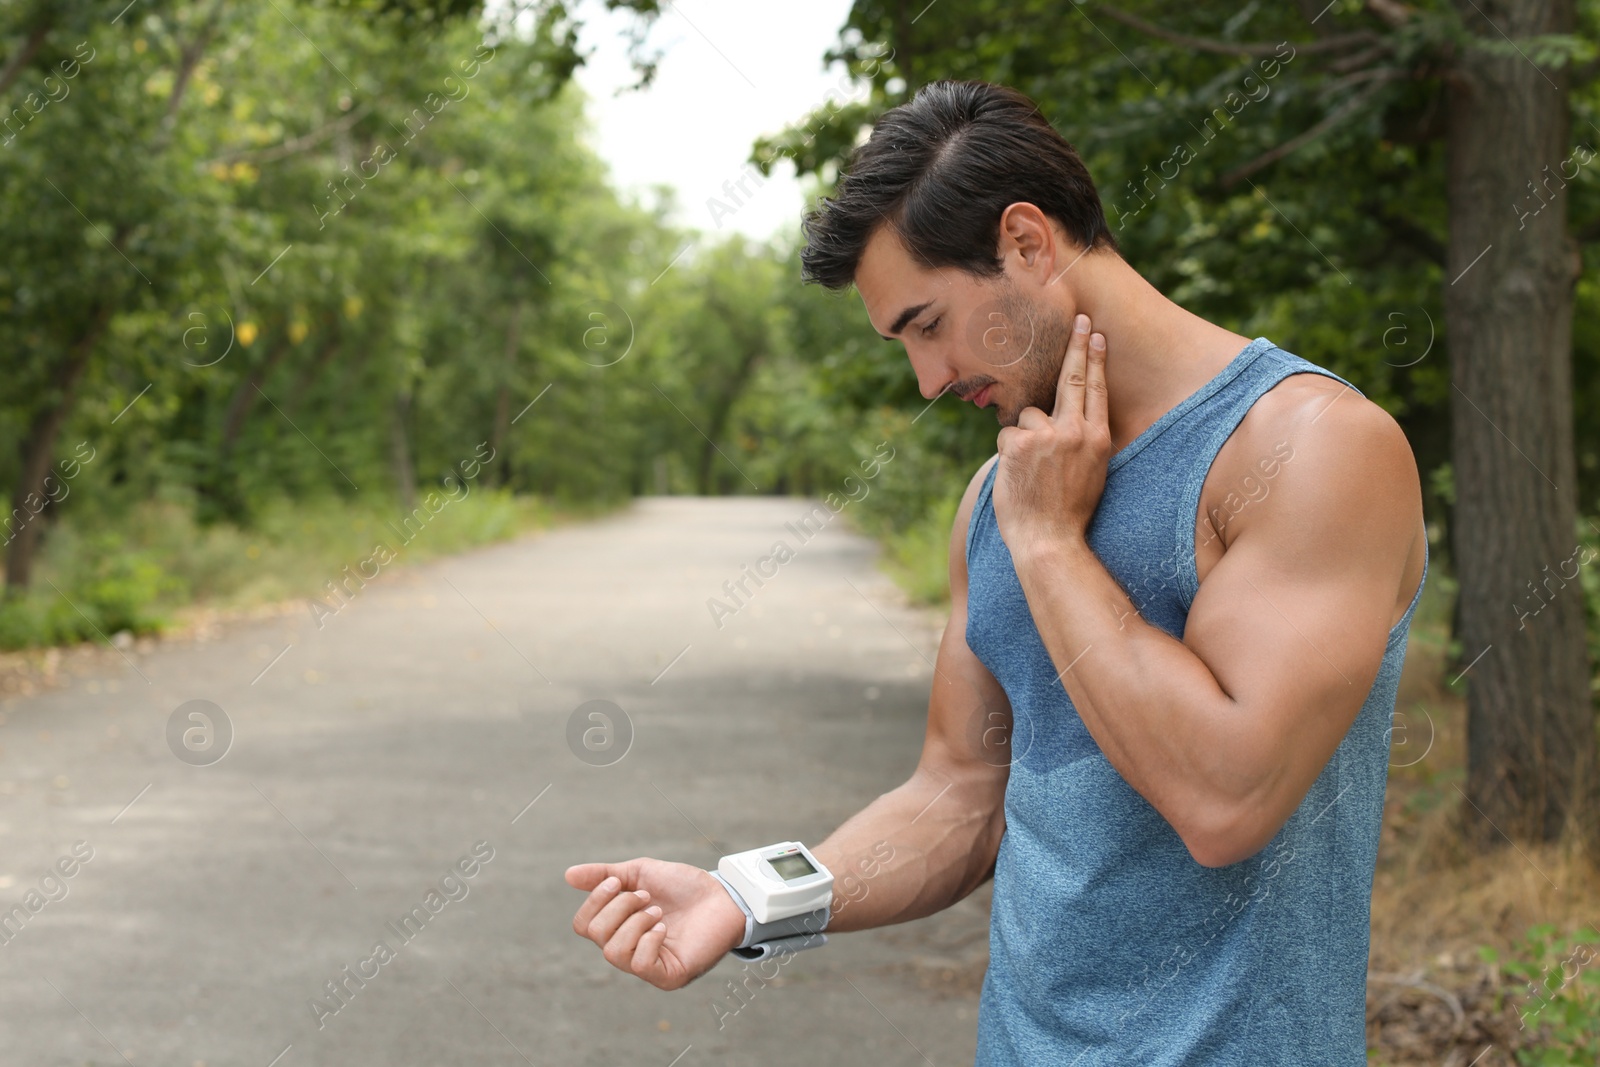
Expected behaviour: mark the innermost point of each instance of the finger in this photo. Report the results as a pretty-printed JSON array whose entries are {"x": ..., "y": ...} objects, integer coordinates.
[
  {"x": 588, "y": 875},
  {"x": 1095, "y": 395},
  {"x": 598, "y": 898},
  {"x": 1032, "y": 419},
  {"x": 611, "y": 917},
  {"x": 647, "y": 954},
  {"x": 619, "y": 948},
  {"x": 1069, "y": 388},
  {"x": 621, "y": 882}
]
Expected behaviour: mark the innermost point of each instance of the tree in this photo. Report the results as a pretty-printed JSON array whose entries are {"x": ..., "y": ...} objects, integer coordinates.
[
  {"x": 1327, "y": 166},
  {"x": 1532, "y": 767},
  {"x": 163, "y": 189}
]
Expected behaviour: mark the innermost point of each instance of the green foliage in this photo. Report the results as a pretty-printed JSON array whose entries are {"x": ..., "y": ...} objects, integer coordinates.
[
  {"x": 1589, "y": 582},
  {"x": 30, "y": 619},
  {"x": 918, "y": 555},
  {"x": 120, "y": 589},
  {"x": 334, "y": 273},
  {"x": 1559, "y": 1004},
  {"x": 157, "y": 560},
  {"x": 102, "y": 589},
  {"x": 1312, "y": 212}
]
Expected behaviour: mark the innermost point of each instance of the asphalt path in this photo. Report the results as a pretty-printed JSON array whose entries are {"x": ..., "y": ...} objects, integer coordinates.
[{"x": 431, "y": 727}]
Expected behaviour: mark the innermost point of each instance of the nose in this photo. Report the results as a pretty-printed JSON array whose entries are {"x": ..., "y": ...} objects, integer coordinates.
[{"x": 933, "y": 374}]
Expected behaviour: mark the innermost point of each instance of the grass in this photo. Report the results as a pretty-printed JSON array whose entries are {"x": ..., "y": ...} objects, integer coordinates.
[
  {"x": 1470, "y": 946},
  {"x": 155, "y": 565},
  {"x": 1456, "y": 927},
  {"x": 917, "y": 557},
  {"x": 1475, "y": 950}
]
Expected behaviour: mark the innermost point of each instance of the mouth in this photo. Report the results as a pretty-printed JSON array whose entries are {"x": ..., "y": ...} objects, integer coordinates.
[{"x": 981, "y": 397}]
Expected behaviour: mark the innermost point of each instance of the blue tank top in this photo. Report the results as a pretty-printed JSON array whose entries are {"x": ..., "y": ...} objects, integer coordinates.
[{"x": 1108, "y": 943}]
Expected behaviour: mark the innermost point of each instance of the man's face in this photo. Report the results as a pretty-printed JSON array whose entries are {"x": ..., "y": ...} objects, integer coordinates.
[{"x": 986, "y": 341}]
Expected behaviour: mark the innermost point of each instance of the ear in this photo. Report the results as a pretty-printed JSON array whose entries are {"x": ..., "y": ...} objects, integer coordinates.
[{"x": 1029, "y": 243}]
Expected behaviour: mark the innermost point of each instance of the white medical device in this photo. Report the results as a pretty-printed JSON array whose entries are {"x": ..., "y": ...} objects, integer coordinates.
[
  {"x": 785, "y": 892},
  {"x": 779, "y": 881}
]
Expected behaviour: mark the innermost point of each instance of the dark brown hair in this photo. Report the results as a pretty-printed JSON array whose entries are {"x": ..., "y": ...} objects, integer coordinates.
[{"x": 941, "y": 169}]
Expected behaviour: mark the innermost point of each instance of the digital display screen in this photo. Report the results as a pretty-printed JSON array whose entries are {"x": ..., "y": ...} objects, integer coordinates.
[{"x": 792, "y": 866}]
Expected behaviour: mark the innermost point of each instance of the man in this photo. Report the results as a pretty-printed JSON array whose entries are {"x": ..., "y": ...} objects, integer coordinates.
[{"x": 1180, "y": 595}]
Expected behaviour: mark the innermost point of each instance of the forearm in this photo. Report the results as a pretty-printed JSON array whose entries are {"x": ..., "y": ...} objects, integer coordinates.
[
  {"x": 913, "y": 851},
  {"x": 1153, "y": 706}
]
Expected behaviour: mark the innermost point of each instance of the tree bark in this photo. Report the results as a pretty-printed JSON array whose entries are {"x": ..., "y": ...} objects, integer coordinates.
[
  {"x": 400, "y": 449},
  {"x": 40, "y": 447},
  {"x": 748, "y": 333},
  {"x": 1508, "y": 301},
  {"x": 244, "y": 396},
  {"x": 24, "y": 55},
  {"x": 47, "y": 423},
  {"x": 722, "y": 402},
  {"x": 188, "y": 58},
  {"x": 502, "y": 403},
  {"x": 333, "y": 338}
]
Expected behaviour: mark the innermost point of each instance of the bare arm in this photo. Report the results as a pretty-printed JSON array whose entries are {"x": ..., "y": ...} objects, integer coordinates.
[
  {"x": 913, "y": 851},
  {"x": 1225, "y": 731},
  {"x": 941, "y": 830}
]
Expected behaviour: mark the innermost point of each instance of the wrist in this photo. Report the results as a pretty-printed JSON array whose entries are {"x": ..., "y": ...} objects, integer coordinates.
[
  {"x": 774, "y": 934},
  {"x": 1048, "y": 552},
  {"x": 733, "y": 921}
]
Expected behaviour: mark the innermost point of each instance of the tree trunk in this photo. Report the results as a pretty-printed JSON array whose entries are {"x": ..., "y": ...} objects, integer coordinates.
[
  {"x": 750, "y": 338},
  {"x": 24, "y": 55},
  {"x": 313, "y": 372},
  {"x": 502, "y": 403},
  {"x": 47, "y": 423},
  {"x": 39, "y": 449},
  {"x": 902, "y": 45},
  {"x": 721, "y": 409},
  {"x": 1508, "y": 302},
  {"x": 400, "y": 448},
  {"x": 246, "y": 394}
]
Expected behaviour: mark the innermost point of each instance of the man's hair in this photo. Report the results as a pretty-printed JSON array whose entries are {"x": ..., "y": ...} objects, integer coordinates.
[{"x": 940, "y": 170}]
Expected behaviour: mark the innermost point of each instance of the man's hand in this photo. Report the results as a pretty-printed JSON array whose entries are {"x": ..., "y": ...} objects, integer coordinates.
[
  {"x": 667, "y": 923},
  {"x": 1053, "y": 467}
]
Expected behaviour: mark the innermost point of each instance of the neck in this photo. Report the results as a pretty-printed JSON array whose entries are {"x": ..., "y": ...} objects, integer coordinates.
[{"x": 1156, "y": 352}]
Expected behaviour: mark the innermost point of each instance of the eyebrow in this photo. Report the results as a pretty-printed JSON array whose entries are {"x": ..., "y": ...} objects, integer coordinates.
[{"x": 905, "y": 317}]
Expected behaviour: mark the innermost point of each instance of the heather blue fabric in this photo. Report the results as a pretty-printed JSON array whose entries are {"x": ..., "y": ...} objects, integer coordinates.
[{"x": 1108, "y": 943}]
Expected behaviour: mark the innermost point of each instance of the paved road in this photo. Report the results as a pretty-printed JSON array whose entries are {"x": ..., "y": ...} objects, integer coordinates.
[{"x": 423, "y": 718}]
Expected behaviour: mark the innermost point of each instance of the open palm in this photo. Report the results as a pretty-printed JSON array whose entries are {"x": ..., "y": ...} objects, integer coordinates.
[{"x": 667, "y": 923}]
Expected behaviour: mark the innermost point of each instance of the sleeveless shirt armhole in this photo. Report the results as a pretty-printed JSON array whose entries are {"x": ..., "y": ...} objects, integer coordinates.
[
  {"x": 1188, "y": 511},
  {"x": 1401, "y": 628},
  {"x": 978, "y": 508}
]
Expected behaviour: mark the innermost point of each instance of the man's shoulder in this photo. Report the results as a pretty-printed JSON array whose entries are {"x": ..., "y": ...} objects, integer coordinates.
[
  {"x": 976, "y": 483},
  {"x": 1308, "y": 407},
  {"x": 963, "y": 519},
  {"x": 969, "y": 498},
  {"x": 1354, "y": 466}
]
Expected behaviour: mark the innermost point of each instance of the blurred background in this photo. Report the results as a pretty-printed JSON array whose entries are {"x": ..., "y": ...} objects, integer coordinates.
[{"x": 286, "y": 283}]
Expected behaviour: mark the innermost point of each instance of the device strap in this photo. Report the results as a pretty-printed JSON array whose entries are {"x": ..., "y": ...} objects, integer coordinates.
[{"x": 783, "y": 935}]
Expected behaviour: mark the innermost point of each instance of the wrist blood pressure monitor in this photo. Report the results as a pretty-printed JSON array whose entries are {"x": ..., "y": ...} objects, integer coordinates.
[{"x": 786, "y": 895}]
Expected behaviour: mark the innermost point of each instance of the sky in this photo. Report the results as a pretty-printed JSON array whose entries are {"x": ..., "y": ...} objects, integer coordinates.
[{"x": 732, "y": 70}]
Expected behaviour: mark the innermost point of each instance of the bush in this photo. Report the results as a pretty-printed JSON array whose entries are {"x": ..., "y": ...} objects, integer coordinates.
[
  {"x": 120, "y": 590},
  {"x": 918, "y": 556},
  {"x": 138, "y": 567},
  {"x": 27, "y": 620},
  {"x": 1560, "y": 1005}
]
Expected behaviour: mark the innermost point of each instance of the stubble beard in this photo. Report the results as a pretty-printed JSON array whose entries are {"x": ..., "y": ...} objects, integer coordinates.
[{"x": 1040, "y": 369}]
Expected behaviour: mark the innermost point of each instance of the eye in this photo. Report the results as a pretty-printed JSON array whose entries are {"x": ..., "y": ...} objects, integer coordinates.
[{"x": 928, "y": 330}]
